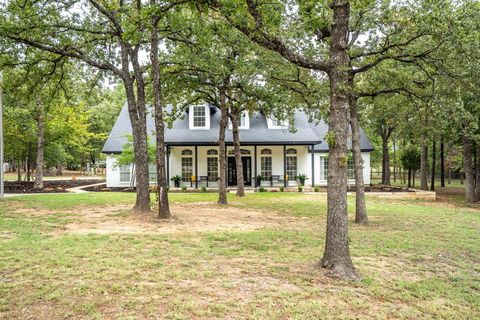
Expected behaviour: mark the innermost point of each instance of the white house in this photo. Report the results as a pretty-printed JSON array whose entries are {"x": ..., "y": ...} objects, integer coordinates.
[{"x": 269, "y": 150}]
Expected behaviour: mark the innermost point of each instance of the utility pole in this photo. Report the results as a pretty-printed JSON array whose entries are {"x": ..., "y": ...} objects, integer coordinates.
[{"x": 2, "y": 178}]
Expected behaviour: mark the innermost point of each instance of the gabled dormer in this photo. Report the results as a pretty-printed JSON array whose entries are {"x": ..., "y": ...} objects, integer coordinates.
[
  {"x": 199, "y": 117},
  {"x": 243, "y": 121},
  {"x": 274, "y": 123}
]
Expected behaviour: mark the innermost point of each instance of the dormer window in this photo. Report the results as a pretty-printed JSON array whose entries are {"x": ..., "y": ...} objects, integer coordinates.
[
  {"x": 199, "y": 117},
  {"x": 274, "y": 123},
  {"x": 243, "y": 121}
]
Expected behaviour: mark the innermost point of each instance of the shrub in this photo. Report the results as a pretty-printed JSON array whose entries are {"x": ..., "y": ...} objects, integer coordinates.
[
  {"x": 204, "y": 189},
  {"x": 316, "y": 189},
  {"x": 300, "y": 189},
  {"x": 282, "y": 189},
  {"x": 262, "y": 189},
  {"x": 184, "y": 188}
]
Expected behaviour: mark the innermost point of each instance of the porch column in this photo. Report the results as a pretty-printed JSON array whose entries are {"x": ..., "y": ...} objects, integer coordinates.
[
  {"x": 255, "y": 165},
  {"x": 313, "y": 167},
  {"x": 284, "y": 166},
  {"x": 168, "y": 166},
  {"x": 196, "y": 167}
]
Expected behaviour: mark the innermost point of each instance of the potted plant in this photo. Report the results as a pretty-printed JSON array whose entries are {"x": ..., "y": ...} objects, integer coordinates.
[
  {"x": 176, "y": 180},
  {"x": 258, "y": 180},
  {"x": 301, "y": 178}
]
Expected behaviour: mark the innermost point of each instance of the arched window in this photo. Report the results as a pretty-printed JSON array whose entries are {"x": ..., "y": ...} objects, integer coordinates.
[
  {"x": 291, "y": 151},
  {"x": 242, "y": 152},
  {"x": 187, "y": 152},
  {"x": 212, "y": 152},
  {"x": 266, "y": 151}
]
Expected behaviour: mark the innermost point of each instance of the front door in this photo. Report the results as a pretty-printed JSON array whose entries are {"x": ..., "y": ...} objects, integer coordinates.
[{"x": 232, "y": 171}]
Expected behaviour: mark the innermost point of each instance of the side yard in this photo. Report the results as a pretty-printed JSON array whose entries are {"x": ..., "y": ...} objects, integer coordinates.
[{"x": 85, "y": 256}]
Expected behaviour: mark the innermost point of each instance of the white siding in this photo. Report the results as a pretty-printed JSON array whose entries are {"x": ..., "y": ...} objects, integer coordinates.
[{"x": 303, "y": 163}]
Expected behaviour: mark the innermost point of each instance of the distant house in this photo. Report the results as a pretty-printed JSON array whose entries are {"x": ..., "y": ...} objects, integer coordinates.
[{"x": 269, "y": 149}]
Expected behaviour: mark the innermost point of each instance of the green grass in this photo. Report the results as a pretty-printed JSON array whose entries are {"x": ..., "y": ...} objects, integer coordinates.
[{"x": 418, "y": 260}]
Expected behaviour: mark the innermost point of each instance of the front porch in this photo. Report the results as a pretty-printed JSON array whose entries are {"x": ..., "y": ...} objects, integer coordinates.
[{"x": 269, "y": 166}]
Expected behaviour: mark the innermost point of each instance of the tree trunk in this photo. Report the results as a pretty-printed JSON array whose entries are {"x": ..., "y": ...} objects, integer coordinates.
[
  {"x": 394, "y": 161},
  {"x": 59, "y": 169},
  {"x": 442, "y": 164},
  {"x": 385, "y": 161},
  {"x": 360, "y": 206},
  {"x": 468, "y": 168},
  {"x": 238, "y": 154},
  {"x": 28, "y": 169},
  {"x": 222, "y": 152},
  {"x": 423, "y": 164},
  {"x": 138, "y": 119},
  {"x": 38, "y": 184},
  {"x": 163, "y": 205},
  {"x": 19, "y": 171},
  {"x": 336, "y": 257},
  {"x": 477, "y": 175},
  {"x": 409, "y": 178},
  {"x": 434, "y": 156}
]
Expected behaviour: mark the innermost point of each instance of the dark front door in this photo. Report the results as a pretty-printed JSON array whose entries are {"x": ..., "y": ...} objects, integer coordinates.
[{"x": 232, "y": 171}]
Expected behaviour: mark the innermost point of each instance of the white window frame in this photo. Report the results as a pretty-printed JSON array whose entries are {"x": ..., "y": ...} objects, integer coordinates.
[
  {"x": 323, "y": 168},
  {"x": 273, "y": 124},
  {"x": 245, "y": 126},
  {"x": 125, "y": 171},
  {"x": 207, "y": 117}
]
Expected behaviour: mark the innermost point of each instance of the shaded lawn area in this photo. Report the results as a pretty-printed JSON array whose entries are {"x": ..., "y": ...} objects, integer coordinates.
[{"x": 418, "y": 260}]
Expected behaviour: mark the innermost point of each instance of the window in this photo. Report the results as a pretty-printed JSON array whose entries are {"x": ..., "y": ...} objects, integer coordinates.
[
  {"x": 323, "y": 168},
  {"x": 125, "y": 174},
  {"x": 187, "y": 169},
  {"x": 292, "y": 168},
  {"x": 212, "y": 168},
  {"x": 199, "y": 117},
  {"x": 212, "y": 152},
  {"x": 266, "y": 151},
  {"x": 152, "y": 172},
  {"x": 243, "y": 121},
  {"x": 243, "y": 152},
  {"x": 187, "y": 165},
  {"x": 291, "y": 163},
  {"x": 187, "y": 152},
  {"x": 274, "y": 123},
  {"x": 266, "y": 167},
  {"x": 350, "y": 168}
]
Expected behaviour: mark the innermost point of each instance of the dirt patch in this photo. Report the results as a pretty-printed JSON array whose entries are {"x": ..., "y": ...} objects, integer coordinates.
[{"x": 192, "y": 217}]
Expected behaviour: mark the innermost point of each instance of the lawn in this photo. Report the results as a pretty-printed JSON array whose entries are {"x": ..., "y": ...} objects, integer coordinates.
[{"x": 85, "y": 256}]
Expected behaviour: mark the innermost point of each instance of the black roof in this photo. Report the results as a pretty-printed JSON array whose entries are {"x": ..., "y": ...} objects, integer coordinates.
[{"x": 306, "y": 133}]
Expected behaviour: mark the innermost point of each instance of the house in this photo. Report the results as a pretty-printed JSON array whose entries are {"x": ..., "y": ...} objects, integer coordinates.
[{"x": 269, "y": 149}]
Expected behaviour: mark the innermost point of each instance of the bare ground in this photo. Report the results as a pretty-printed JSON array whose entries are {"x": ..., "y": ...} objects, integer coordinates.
[{"x": 192, "y": 217}]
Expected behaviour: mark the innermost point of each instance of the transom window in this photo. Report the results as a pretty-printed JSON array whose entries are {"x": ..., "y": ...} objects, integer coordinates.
[
  {"x": 187, "y": 152},
  {"x": 291, "y": 151},
  {"x": 242, "y": 151},
  {"x": 212, "y": 152},
  {"x": 266, "y": 151}
]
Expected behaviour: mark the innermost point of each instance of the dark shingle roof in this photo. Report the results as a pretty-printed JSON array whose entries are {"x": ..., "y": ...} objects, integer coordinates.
[{"x": 180, "y": 134}]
